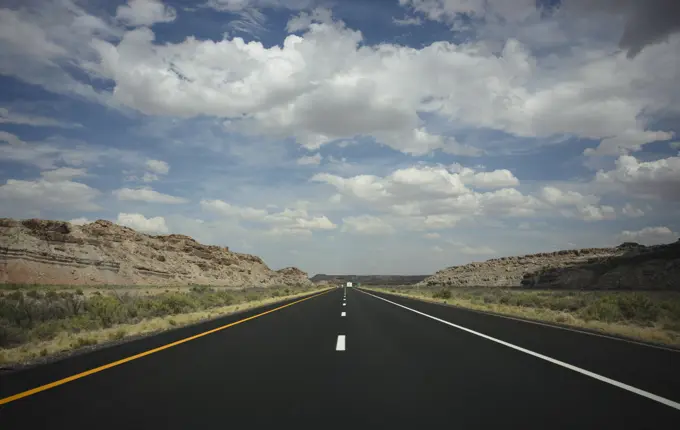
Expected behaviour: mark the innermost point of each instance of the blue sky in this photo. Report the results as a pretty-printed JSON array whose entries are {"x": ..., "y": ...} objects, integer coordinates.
[{"x": 394, "y": 136}]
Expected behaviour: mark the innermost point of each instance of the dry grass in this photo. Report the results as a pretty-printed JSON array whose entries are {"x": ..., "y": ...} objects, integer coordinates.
[
  {"x": 67, "y": 340},
  {"x": 584, "y": 309}
]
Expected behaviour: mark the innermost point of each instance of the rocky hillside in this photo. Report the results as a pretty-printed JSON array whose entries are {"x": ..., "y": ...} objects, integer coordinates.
[
  {"x": 368, "y": 279},
  {"x": 628, "y": 266},
  {"x": 57, "y": 252}
]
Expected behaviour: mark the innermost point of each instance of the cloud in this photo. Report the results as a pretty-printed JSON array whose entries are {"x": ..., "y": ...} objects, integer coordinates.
[
  {"x": 44, "y": 43},
  {"x": 140, "y": 223},
  {"x": 149, "y": 177},
  {"x": 432, "y": 196},
  {"x": 631, "y": 211},
  {"x": 250, "y": 21},
  {"x": 477, "y": 250},
  {"x": 304, "y": 20},
  {"x": 300, "y": 87},
  {"x": 145, "y": 12},
  {"x": 466, "y": 249},
  {"x": 330, "y": 72},
  {"x": 285, "y": 222},
  {"x": 310, "y": 160},
  {"x": 596, "y": 213},
  {"x": 358, "y": 85},
  {"x": 10, "y": 117},
  {"x": 645, "y": 23},
  {"x": 441, "y": 221},
  {"x": 238, "y": 5},
  {"x": 158, "y": 167},
  {"x": 47, "y": 194},
  {"x": 432, "y": 236},
  {"x": 656, "y": 179},
  {"x": 649, "y": 236},
  {"x": 366, "y": 224},
  {"x": 501, "y": 178},
  {"x": 146, "y": 194},
  {"x": 80, "y": 221},
  {"x": 223, "y": 208},
  {"x": 63, "y": 174},
  {"x": 50, "y": 153},
  {"x": 628, "y": 141},
  {"x": 557, "y": 197},
  {"x": 585, "y": 207},
  {"x": 409, "y": 20}
]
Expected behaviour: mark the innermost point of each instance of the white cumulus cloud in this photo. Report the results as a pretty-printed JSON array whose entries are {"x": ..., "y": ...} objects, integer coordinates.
[
  {"x": 80, "y": 221},
  {"x": 146, "y": 194},
  {"x": 649, "y": 236},
  {"x": 145, "y": 12},
  {"x": 158, "y": 167},
  {"x": 310, "y": 160},
  {"x": 366, "y": 224},
  {"x": 140, "y": 223},
  {"x": 660, "y": 178}
]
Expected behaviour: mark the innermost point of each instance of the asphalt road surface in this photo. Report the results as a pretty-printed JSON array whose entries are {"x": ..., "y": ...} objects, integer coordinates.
[{"x": 359, "y": 362}]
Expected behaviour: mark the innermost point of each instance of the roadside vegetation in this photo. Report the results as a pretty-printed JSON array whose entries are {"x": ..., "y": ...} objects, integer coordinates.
[
  {"x": 652, "y": 316},
  {"x": 40, "y": 321}
]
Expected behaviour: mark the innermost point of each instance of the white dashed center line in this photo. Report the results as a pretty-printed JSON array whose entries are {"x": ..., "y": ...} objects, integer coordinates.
[
  {"x": 344, "y": 304},
  {"x": 344, "y": 314},
  {"x": 340, "y": 345}
]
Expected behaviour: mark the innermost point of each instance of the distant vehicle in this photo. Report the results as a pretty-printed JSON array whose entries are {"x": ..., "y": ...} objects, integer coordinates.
[{"x": 349, "y": 284}]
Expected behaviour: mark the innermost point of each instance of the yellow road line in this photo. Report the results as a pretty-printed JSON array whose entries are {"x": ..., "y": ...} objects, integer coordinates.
[{"x": 140, "y": 355}]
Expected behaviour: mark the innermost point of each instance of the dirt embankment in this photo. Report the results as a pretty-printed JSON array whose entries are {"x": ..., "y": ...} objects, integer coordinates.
[
  {"x": 38, "y": 251},
  {"x": 628, "y": 266}
]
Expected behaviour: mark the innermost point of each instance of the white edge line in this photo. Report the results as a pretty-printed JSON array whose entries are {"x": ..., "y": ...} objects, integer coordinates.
[
  {"x": 626, "y": 387},
  {"x": 575, "y": 330},
  {"x": 340, "y": 345},
  {"x": 344, "y": 314}
]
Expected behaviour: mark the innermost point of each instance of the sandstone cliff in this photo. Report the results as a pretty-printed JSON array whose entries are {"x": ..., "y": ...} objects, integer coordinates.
[
  {"x": 56, "y": 252},
  {"x": 628, "y": 266}
]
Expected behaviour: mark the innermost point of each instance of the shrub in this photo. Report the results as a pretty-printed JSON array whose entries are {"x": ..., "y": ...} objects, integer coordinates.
[
  {"x": 177, "y": 303},
  {"x": 200, "y": 289},
  {"x": 10, "y": 336},
  {"x": 118, "y": 334},
  {"x": 83, "y": 341},
  {"x": 47, "y": 330},
  {"x": 34, "y": 294},
  {"x": 107, "y": 310},
  {"x": 252, "y": 297},
  {"x": 442, "y": 294},
  {"x": 638, "y": 307},
  {"x": 602, "y": 310}
]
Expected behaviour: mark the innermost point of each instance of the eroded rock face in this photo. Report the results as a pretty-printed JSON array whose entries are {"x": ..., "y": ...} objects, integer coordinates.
[
  {"x": 627, "y": 266},
  {"x": 57, "y": 252}
]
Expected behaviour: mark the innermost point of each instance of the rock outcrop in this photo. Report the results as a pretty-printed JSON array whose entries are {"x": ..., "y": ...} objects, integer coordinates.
[
  {"x": 627, "y": 266},
  {"x": 59, "y": 253}
]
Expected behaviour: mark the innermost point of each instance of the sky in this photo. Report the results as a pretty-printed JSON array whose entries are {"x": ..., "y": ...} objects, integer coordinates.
[{"x": 364, "y": 137}]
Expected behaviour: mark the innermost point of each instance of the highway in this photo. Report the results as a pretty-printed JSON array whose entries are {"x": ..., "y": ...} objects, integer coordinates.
[{"x": 353, "y": 358}]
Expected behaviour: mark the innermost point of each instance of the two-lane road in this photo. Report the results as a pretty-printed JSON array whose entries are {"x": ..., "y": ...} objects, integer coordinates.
[{"x": 362, "y": 360}]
